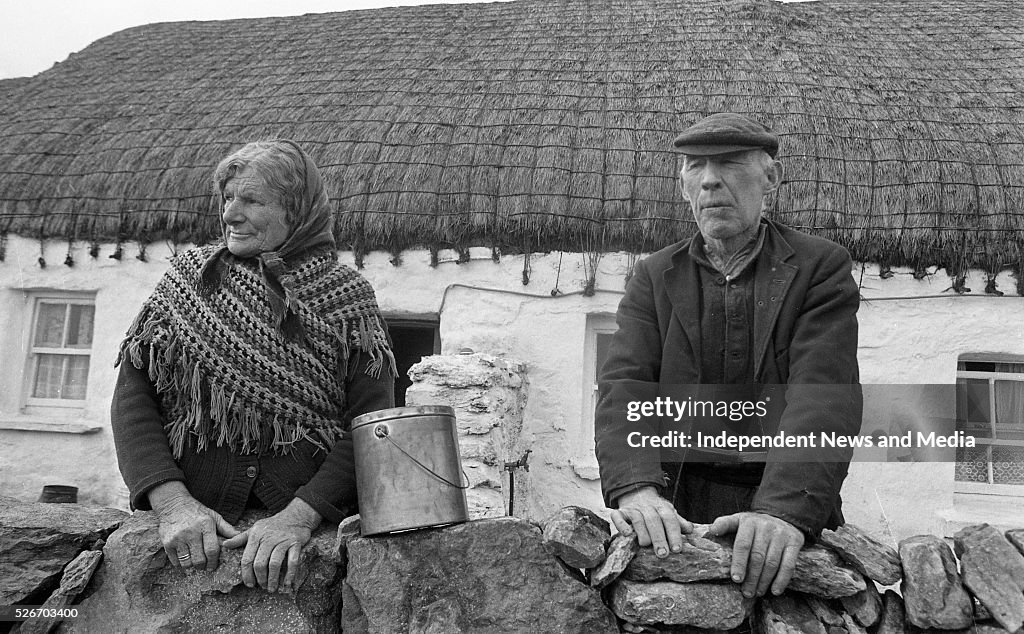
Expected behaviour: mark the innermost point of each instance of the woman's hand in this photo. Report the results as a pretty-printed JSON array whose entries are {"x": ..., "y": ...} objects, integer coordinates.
[
  {"x": 275, "y": 542},
  {"x": 188, "y": 530}
]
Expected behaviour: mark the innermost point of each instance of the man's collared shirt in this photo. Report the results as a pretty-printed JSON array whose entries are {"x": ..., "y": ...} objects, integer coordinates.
[{"x": 727, "y": 313}]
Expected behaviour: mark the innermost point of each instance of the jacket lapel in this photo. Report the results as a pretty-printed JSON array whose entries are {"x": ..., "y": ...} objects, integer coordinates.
[
  {"x": 682, "y": 285},
  {"x": 772, "y": 280}
]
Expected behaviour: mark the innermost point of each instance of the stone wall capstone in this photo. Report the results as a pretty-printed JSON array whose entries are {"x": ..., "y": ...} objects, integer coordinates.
[
  {"x": 38, "y": 540},
  {"x": 491, "y": 575},
  {"x": 136, "y": 589}
]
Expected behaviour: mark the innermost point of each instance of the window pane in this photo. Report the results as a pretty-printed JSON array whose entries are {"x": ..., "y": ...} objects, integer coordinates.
[
  {"x": 1017, "y": 368},
  {"x": 50, "y": 325},
  {"x": 976, "y": 366},
  {"x": 971, "y": 464},
  {"x": 80, "y": 326},
  {"x": 972, "y": 404},
  {"x": 77, "y": 377},
  {"x": 49, "y": 369},
  {"x": 1008, "y": 465},
  {"x": 61, "y": 376},
  {"x": 1010, "y": 405},
  {"x": 602, "y": 342}
]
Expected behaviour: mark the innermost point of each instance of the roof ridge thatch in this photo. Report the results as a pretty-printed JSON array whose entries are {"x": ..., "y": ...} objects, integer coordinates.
[{"x": 538, "y": 125}]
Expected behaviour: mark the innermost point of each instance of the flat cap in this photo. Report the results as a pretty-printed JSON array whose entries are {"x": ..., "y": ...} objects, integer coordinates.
[{"x": 726, "y": 132}]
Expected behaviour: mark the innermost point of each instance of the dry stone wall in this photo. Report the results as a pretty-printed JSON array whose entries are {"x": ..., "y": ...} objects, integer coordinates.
[
  {"x": 834, "y": 590},
  {"x": 505, "y": 575}
]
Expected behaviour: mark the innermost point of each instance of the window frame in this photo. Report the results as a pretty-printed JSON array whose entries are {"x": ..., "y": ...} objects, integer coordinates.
[
  {"x": 417, "y": 321},
  {"x": 33, "y": 352},
  {"x": 601, "y": 323},
  {"x": 990, "y": 487}
]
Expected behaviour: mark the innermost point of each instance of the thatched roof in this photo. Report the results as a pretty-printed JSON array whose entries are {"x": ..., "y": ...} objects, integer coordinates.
[{"x": 543, "y": 124}]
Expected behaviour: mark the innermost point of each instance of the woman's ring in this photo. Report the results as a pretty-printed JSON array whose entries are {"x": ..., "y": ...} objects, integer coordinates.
[{"x": 184, "y": 557}]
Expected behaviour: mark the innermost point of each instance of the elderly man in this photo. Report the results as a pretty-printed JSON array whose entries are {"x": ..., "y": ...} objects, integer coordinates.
[{"x": 747, "y": 307}]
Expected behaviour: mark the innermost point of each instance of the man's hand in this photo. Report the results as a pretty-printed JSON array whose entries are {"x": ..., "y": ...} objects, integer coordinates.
[
  {"x": 275, "y": 542},
  {"x": 764, "y": 551},
  {"x": 188, "y": 530},
  {"x": 654, "y": 520}
]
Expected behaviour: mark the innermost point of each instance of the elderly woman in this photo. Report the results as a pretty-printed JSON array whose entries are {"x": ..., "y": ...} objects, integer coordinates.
[{"x": 241, "y": 375}]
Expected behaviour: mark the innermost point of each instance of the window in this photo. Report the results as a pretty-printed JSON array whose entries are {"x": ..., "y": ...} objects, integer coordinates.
[
  {"x": 600, "y": 328},
  {"x": 990, "y": 406},
  {"x": 61, "y": 343},
  {"x": 412, "y": 338}
]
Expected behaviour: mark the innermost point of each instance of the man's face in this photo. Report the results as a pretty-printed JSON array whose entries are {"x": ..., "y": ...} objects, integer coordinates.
[{"x": 726, "y": 190}]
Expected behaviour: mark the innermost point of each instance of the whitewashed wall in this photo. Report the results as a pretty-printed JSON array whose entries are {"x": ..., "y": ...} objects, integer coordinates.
[
  {"x": 908, "y": 336},
  {"x": 484, "y": 306},
  {"x": 78, "y": 451}
]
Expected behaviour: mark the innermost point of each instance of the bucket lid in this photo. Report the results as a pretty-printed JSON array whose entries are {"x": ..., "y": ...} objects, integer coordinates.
[{"x": 402, "y": 412}]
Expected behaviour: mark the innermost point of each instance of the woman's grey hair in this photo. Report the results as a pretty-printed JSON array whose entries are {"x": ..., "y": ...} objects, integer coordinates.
[{"x": 282, "y": 166}]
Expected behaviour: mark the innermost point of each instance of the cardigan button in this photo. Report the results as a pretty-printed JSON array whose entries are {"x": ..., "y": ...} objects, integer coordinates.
[{"x": 251, "y": 472}]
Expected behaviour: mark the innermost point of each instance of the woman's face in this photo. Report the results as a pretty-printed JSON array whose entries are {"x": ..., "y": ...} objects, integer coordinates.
[{"x": 256, "y": 221}]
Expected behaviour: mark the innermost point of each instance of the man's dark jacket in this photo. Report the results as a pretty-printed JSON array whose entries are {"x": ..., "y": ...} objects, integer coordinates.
[{"x": 805, "y": 337}]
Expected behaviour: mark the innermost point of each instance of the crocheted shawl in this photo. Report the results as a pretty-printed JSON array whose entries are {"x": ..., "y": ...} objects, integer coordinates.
[{"x": 226, "y": 372}]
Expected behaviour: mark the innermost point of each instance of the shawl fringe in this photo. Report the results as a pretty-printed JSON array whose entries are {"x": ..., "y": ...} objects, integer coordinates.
[
  {"x": 200, "y": 411},
  {"x": 225, "y": 419}
]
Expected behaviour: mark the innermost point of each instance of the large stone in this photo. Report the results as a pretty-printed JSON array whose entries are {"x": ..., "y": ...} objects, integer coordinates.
[
  {"x": 818, "y": 570},
  {"x": 577, "y": 536},
  {"x": 348, "y": 529},
  {"x": 865, "y": 606},
  {"x": 894, "y": 618},
  {"x": 851, "y": 625},
  {"x": 38, "y": 540},
  {"x": 620, "y": 552},
  {"x": 491, "y": 575},
  {"x": 825, "y": 613},
  {"x": 933, "y": 594},
  {"x": 868, "y": 556},
  {"x": 820, "y": 573},
  {"x": 1016, "y": 537},
  {"x": 75, "y": 578},
  {"x": 704, "y": 605},
  {"x": 701, "y": 559},
  {"x": 136, "y": 589},
  {"x": 789, "y": 614},
  {"x": 989, "y": 628},
  {"x": 993, "y": 570}
]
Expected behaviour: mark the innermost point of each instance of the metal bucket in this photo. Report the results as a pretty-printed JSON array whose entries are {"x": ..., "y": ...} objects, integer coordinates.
[{"x": 408, "y": 472}]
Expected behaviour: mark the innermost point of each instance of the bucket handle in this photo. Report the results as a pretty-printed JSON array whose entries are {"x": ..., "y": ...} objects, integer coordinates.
[{"x": 382, "y": 432}]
